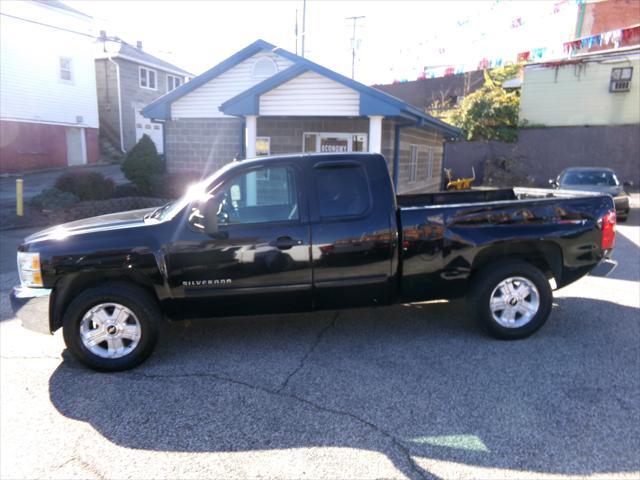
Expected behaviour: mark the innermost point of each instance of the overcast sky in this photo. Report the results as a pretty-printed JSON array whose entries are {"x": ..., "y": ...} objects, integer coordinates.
[{"x": 398, "y": 38}]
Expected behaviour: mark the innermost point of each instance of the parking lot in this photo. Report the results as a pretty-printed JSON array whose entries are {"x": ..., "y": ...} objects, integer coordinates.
[{"x": 414, "y": 391}]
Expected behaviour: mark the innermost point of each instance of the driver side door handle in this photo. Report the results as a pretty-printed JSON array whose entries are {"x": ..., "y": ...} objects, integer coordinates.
[{"x": 285, "y": 243}]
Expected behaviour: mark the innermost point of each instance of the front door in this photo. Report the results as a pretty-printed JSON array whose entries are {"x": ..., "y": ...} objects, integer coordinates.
[
  {"x": 152, "y": 129},
  {"x": 76, "y": 146},
  {"x": 259, "y": 259}
]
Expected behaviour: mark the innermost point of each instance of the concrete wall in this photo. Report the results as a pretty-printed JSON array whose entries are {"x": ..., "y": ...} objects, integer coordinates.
[
  {"x": 204, "y": 145},
  {"x": 546, "y": 151},
  {"x": 201, "y": 146}
]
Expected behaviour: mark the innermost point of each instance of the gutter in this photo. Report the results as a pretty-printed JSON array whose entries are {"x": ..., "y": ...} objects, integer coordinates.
[{"x": 119, "y": 103}]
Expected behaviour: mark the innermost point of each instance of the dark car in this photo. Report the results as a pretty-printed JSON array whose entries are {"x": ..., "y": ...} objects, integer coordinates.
[
  {"x": 596, "y": 179},
  {"x": 301, "y": 233}
]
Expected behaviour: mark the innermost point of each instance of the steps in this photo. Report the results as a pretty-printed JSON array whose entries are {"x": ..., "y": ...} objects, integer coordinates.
[{"x": 109, "y": 153}]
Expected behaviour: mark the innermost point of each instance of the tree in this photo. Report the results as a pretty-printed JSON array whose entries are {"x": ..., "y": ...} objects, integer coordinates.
[
  {"x": 491, "y": 112},
  {"x": 142, "y": 164}
]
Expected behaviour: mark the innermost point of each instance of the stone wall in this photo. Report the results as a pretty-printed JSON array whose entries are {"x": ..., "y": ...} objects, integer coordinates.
[
  {"x": 545, "y": 152},
  {"x": 201, "y": 146}
]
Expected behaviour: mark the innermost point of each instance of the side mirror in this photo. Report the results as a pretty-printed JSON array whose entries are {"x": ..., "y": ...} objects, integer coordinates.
[{"x": 553, "y": 183}]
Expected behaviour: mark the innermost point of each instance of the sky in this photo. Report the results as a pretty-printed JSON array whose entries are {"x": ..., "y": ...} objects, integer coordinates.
[{"x": 397, "y": 39}]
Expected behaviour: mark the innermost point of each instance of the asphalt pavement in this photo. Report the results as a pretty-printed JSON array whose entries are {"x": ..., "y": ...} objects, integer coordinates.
[{"x": 413, "y": 391}]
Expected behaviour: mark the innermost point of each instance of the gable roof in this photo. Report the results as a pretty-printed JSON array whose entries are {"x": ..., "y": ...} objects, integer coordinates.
[
  {"x": 134, "y": 54},
  {"x": 372, "y": 101}
]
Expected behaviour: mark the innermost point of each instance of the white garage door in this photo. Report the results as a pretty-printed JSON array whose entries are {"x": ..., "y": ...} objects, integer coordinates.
[{"x": 154, "y": 130}]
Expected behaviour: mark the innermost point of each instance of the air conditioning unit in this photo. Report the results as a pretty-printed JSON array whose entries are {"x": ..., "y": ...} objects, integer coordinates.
[{"x": 620, "y": 79}]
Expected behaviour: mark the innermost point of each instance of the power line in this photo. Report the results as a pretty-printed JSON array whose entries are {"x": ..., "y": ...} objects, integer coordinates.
[{"x": 54, "y": 26}]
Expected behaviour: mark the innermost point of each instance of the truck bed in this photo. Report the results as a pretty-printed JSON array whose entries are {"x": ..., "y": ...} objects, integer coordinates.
[{"x": 485, "y": 195}]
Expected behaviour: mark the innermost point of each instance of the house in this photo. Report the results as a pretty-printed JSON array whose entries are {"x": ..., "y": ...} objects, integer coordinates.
[
  {"x": 593, "y": 89},
  {"x": 264, "y": 100},
  {"x": 128, "y": 78},
  {"x": 436, "y": 95},
  {"x": 599, "y": 16},
  {"x": 48, "y": 103}
]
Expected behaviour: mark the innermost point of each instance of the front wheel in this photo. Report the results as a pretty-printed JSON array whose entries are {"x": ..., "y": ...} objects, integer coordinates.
[
  {"x": 512, "y": 299},
  {"x": 112, "y": 327}
]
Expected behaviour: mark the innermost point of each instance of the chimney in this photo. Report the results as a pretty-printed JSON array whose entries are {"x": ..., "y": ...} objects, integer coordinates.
[{"x": 139, "y": 45}]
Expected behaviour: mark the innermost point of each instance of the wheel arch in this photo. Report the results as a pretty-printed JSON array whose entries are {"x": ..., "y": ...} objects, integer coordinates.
[
  {"x": 545, "y": 255},
  {"x": 69, "y": 286}
]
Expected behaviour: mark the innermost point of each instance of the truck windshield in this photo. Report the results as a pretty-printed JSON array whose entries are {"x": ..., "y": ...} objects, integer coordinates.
[
  {"x": 195, "y": 191},
  {"x": 602, "y": 178}
]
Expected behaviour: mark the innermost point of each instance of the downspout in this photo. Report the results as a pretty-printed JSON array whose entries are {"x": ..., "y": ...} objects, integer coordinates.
[
  {"x": 243, "y": 153},
  {"x": 583, "y": 7},
  {"x": 396, "y": 149},
  {"x": 119, "y": 103}
]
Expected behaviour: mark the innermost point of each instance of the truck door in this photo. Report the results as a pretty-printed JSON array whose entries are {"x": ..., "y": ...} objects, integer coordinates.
[
  {"x": 352, "y": 231},
  {"x": 258, "y": 261}
]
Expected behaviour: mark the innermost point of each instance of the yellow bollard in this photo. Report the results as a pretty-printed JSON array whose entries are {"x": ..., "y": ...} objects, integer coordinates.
[{"x": 19, "y": 200}]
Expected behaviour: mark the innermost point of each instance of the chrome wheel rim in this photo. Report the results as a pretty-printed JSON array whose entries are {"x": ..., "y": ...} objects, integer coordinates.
[
  {"x": 514, "y": 302},
  {"x": 110, "y": 330}
]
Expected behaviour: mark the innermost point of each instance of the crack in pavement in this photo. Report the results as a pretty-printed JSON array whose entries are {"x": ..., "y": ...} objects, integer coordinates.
[
  {"x": 395, "y": 442},
  {"x": 304, "y": 358}
]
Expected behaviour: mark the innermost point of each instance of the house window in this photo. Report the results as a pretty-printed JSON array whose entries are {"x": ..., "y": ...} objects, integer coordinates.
[
  {"x": 147, "y": 78},
  {"x": 413, "y": 163},
  {"x": 334, "y": 142},
  {"x": 173, "y": 82},
  {"x": 264, "y": 68},
  {"x": 66, "y": 70},
  {"x": 429, "y": 162},
  {"x": 621, "y": 79}
]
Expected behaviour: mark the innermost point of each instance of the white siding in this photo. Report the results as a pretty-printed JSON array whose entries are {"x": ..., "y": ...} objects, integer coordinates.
[
  {"x": 311, "y": 94},
  {"x": 29, "y": 74},
  {"x": 204, "y": 101}
]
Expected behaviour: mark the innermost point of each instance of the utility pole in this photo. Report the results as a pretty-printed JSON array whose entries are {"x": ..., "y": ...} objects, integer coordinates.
[
  {"x": 354, "y": 44},
  {"x": 304, "y": 24}
]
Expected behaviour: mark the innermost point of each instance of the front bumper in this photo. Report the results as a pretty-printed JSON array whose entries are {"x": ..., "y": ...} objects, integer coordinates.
[
  {"x": 622, "y": 205},
  {"x": 31, "y": 306}
]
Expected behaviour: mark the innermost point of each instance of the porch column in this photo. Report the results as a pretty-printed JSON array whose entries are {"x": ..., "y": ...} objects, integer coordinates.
[
  {"x": 375, "y": 133},
  {"x": 250, "y": 135}
]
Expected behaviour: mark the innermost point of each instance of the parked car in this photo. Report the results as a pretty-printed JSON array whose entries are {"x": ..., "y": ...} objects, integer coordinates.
[
  {"x": 301, "y": 233},
  {"x": 603, "y": 180}
]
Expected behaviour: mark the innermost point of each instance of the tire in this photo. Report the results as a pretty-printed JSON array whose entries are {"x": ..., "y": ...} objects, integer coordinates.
[
  {"x": 524, "y": 313},
  {"x": 622, "y": 218},
  {"x": 112, "y": 327}
]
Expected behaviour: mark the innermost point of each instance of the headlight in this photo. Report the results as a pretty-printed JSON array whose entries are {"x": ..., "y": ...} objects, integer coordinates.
[{"x": 29, "y": 269}]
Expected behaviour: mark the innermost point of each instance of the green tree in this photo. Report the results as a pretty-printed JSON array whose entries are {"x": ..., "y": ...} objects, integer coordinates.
[
  {"x": 142, "y": 164},
  {"x": 491, "y": 112}
]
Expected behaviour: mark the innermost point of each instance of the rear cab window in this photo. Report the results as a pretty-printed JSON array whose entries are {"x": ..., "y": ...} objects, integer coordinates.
[{"x": 342, "y": 190}]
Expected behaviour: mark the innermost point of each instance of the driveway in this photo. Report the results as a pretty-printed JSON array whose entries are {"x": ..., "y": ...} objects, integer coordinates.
[
  {"x": 35, "y": 182},
  {"x": 412, "y": 391}
]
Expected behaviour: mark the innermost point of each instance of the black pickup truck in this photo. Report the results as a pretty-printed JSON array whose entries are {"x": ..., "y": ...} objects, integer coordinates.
[{"x": 301, "y": 233}]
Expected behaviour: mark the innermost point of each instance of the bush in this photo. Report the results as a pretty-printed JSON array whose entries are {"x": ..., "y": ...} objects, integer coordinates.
[
  {"x": 142, "y": 163},
  {"x": 53, "y": 198},
  {"x": 127, "y": 190},
  {"x": 170, "y": 185},
  {"x": 86, "y": 185}
]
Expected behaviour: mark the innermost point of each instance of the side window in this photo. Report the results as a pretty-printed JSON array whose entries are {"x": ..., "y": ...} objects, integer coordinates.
[
  {"x": 342, "y": 191},
  {"x": 266, "y": 194}
]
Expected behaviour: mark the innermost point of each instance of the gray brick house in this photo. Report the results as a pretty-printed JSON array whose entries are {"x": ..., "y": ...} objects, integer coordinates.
[
  {"x": 264, "y": 100},
  {"x": 127, "y": 79}
]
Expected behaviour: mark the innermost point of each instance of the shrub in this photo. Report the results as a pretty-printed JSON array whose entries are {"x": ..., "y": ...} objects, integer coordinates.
[
  {"x": 127, "y": 190},
  {"x": 86, "y": 185},
  {"x": 53, "y": 198},
  {"x": 171, "y": 185},
  {"x": 142, "y": 163}
]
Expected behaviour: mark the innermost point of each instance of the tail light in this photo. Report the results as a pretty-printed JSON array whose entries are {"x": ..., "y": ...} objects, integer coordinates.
[{"x": 608, "y": 225}]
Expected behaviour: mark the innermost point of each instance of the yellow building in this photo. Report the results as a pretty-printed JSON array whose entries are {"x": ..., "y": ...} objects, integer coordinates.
[{"x": 591, "y": 89}]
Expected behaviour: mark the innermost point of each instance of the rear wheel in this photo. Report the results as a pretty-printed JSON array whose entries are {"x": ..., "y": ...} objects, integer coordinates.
[
  {"x": 112, "y": 327},
  {"x": 512, "y": 299}
]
